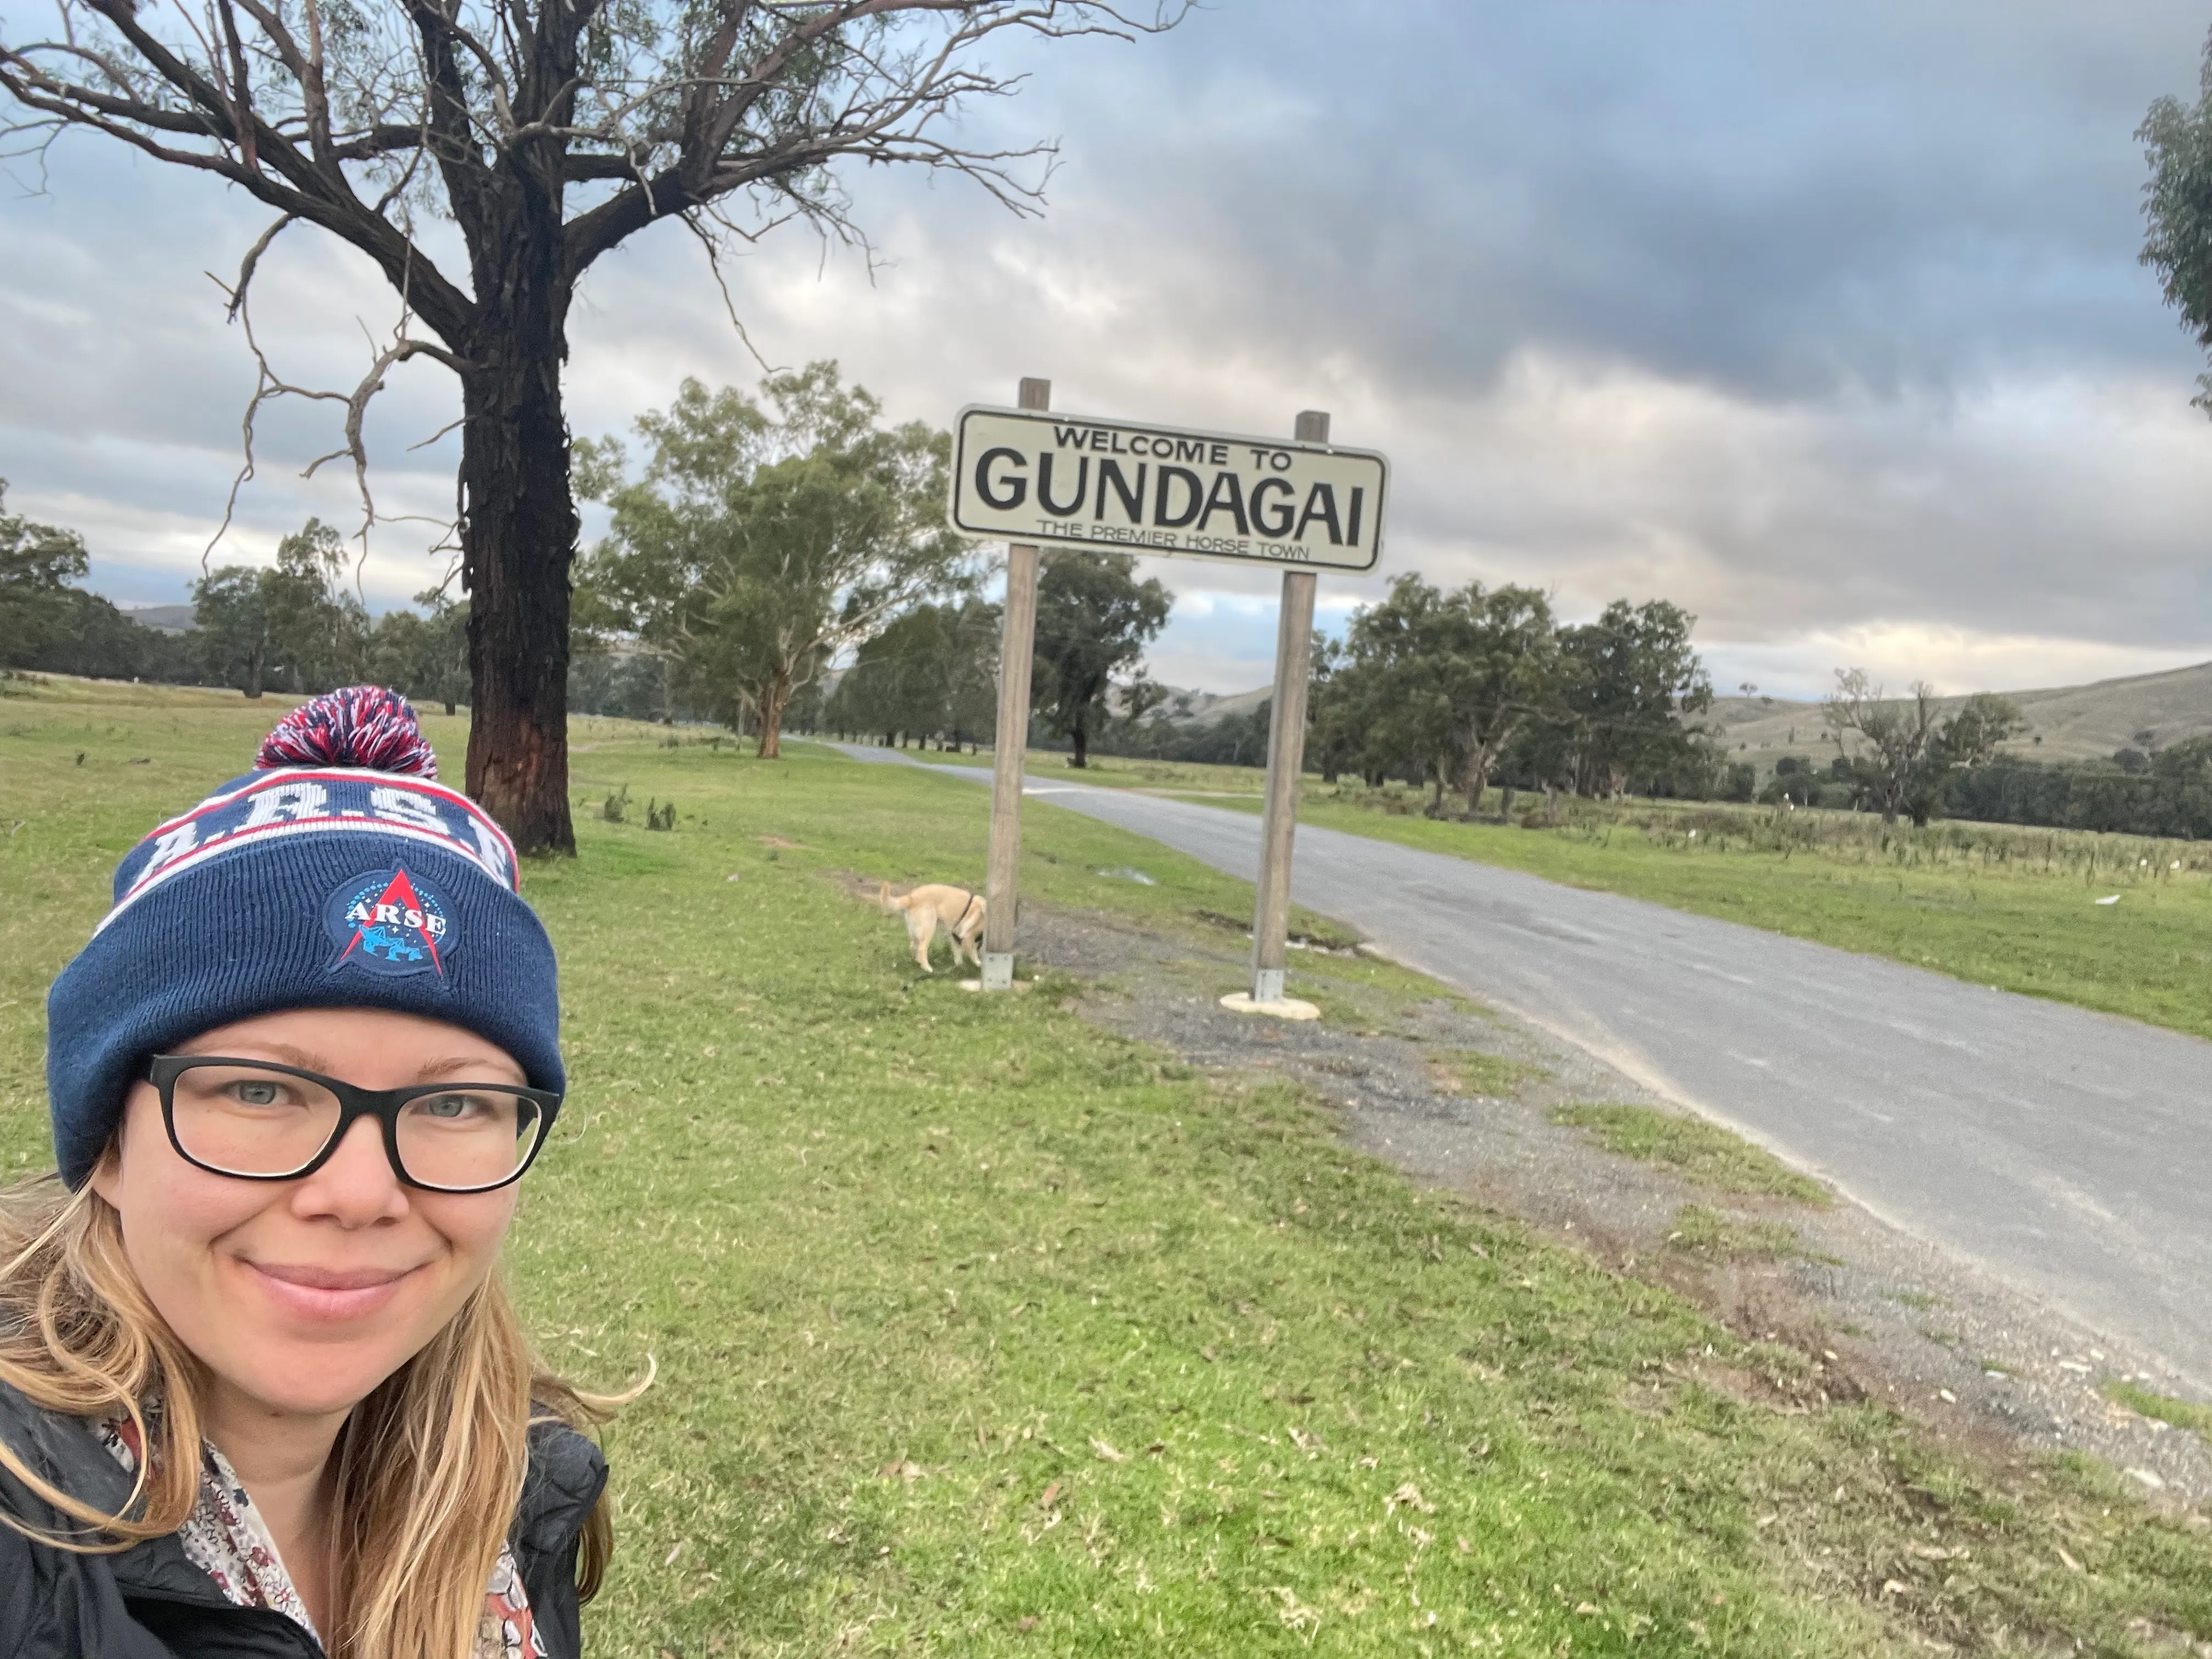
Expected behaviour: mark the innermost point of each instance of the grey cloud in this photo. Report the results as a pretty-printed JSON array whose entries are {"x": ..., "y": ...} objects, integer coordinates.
[
  {"x": 1781, "y": 199},
  {"x": 1860, "y": 279}
]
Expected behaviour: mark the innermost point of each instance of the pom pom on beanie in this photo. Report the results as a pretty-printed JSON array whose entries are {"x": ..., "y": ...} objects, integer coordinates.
[
  {"x": 363, "y": 725},
  {"x": 338, "y": 873}
]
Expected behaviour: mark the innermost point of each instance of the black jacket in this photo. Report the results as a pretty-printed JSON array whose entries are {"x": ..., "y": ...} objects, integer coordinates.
[{"x": 150, "y": 1603}]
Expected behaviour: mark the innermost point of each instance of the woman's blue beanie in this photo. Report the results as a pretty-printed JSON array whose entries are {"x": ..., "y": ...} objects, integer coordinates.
[{"x": 337, "y": 874}]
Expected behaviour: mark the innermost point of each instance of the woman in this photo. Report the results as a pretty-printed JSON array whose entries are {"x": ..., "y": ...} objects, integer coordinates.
[{"x": 261, "y": 1390}]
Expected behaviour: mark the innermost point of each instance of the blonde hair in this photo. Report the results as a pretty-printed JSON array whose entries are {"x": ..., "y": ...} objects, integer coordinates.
[{"x": 429, "y": 1469}]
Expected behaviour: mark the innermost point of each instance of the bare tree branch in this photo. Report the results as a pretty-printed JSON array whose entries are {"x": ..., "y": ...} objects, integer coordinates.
[
  {"x": 270, "y": 385},
  {"x": 547, "y": 132}
]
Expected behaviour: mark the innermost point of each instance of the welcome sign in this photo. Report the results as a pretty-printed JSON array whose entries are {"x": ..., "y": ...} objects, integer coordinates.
[{"x": 1062, "y": 480}]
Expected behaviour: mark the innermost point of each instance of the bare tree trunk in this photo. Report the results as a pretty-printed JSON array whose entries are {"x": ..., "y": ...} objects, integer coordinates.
[
  {"x": 1082, "y": 757},
  {"x": 253, "y": 674},
  {"x": 517, "y": 539}
]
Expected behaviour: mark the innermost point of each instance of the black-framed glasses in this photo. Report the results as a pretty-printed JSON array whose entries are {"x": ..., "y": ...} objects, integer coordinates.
[{"x": 259, "y": 1121}]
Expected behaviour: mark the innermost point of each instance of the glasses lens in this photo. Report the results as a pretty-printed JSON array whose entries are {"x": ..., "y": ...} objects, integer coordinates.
[
  {"x": 468, "y": 1136},
  {"x": 245, "y": 1121}
]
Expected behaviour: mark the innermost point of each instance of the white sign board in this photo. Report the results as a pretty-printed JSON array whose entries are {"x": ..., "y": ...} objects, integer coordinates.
[{"x": 1064, "y": 480}]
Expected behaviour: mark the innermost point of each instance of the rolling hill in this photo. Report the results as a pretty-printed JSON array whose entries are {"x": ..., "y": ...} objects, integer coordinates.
[{"x": 2066, "y": 723}]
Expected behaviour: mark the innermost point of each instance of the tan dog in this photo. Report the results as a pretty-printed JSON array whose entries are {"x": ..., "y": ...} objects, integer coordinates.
[{"x": 927, "y": 907}]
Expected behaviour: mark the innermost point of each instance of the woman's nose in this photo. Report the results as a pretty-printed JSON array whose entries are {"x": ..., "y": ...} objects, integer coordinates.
[{"x": 357, "y": 1186}]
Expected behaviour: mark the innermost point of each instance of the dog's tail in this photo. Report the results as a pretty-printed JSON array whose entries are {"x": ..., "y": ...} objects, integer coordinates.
[{"x": 884, "y": 899}]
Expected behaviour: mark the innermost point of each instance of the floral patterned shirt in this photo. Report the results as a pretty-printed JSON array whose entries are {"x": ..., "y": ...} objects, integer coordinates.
[{"x": 225, "y": 1539}]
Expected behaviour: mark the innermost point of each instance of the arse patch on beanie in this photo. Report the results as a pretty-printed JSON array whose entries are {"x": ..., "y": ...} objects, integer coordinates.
[{"x": 338, "y": 873}]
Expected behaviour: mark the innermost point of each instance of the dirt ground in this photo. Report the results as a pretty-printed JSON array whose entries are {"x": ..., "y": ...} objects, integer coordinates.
[{"x": 1876, "y": 1312}]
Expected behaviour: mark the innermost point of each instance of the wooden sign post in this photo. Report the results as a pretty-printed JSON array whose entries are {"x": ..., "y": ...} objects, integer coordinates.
[
  {"x": 1010, "y": 755},
  {"x": 1304, "y": 506},
  {"x": 1286, "y": 752}
]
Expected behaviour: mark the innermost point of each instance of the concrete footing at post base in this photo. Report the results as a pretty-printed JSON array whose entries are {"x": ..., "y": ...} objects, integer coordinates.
[{"x": 1240, "y": 1002}]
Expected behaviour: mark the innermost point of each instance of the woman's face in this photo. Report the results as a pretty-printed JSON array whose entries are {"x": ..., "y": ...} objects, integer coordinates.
[{"x": 301, "y": 1296}]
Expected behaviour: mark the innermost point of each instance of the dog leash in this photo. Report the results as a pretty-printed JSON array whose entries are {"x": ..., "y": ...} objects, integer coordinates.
[{"x": 964, "y": 909}]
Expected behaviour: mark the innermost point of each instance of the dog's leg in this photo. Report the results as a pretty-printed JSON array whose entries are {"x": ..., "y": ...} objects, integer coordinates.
[{"x": 924, "y": 925}]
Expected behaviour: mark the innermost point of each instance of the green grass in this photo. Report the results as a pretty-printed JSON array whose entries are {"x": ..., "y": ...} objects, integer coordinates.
[
  {"x": 1701, "y": 1230},
  {"x": 981, "y": 1331},
  {"x": 2181, "y": 1413},
  {"x": 1471, "y": 1072},
  {"x": 1697, "y": 1151}
]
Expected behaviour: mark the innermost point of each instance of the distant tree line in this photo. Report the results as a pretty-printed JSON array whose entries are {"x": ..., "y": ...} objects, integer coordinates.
[
  {"x": 1454, "y": 691},
  {"x": 2164, "y": 792},
  {"x": 49, "y": 624},
  {"x": 296, "y": 627},
  {"x": 930, "y": 674},
  {"x": 781, "y": 560}
]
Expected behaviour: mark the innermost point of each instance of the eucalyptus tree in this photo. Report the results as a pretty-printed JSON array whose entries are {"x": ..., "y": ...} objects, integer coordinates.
[
  {"x": 1438, "y": 682},
  {"x": 426, "y": 656},
  {"x": 1382, "y": 707},
  {"x": 2177, "y": 140},
  {"x": 548, "y": 132},
  {"x": 38, "y": 564},
  {"x": 1629, "y": 685},
  {"x": 1501, "y": 665},
  {"x": 318, "y": 622},
  {"x": 295, "y": 623},
  {"x": 769, "y": 537},
  {"x": 1094, "y": 619},
  {"x": 930, "y": 672}
]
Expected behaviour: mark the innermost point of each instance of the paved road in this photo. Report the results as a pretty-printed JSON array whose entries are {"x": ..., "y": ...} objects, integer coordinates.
[{"x": 2067, "y": 1152}]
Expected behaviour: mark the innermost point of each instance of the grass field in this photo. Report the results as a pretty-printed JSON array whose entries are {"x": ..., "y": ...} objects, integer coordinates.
[
  {"x": 981, "y": 1331},
  {"x": 1991, "y": 904}
]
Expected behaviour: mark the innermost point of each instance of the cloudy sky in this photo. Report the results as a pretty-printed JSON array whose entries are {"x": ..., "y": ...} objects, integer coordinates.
[{"x": 1823, "y": 320}]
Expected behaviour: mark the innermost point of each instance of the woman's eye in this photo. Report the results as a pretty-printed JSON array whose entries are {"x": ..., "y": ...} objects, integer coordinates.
[
  {"x": 256, "y": 1093},
  {"x": 448, "y": 1106}
]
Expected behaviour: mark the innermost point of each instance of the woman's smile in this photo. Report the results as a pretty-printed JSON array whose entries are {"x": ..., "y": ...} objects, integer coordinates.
[{"x": 327, "y": 1295}]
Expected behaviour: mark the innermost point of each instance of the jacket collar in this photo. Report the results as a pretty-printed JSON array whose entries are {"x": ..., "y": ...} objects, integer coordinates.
[
  {"x": 68, "y": 1452},
  {"x": 565, "y": 1475}
]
